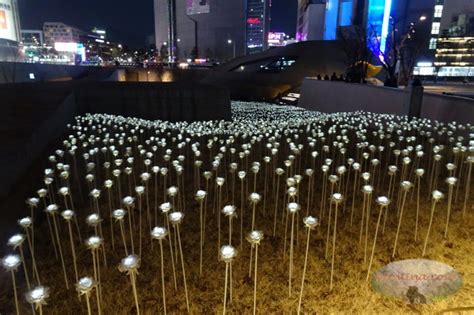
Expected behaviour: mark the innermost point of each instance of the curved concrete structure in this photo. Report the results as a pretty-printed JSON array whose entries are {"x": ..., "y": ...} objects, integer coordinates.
[{"x": 258, "y": 77}]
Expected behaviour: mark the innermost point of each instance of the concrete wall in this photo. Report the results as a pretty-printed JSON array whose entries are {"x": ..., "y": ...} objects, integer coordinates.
[
  {"x": 334, "y": 96},
  {"x": 20, "y": 72},
  {"x": 447, "y": 108},
  {"x": 165, "y": 101},
  {"x": 29, "y": 122},
  {"x": 329, "y": 96}
]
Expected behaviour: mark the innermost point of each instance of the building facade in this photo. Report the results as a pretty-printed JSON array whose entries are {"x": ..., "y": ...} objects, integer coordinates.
[
  {"x": 451, "y": 43},
  {"x": 219, "y": 29},
  {"x": 322, "y": 19},
  {"x": 58, "y": 32},
  {"x": 32, "y": 37},
  {"x": 10, "y": 34},
  {"x": 9, "y": 21},
  {"x": 257, "y": 25}
]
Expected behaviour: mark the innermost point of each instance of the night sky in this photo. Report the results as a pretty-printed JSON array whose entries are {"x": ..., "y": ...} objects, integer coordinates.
[{"x": 128, "y": 22}]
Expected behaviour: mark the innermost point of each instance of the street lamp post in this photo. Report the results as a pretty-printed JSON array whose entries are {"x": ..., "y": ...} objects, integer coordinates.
[{"x": 231, "y": 42}]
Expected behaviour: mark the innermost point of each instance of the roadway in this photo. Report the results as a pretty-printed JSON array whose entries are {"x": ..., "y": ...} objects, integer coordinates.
[{"x": 460, "y": 89}]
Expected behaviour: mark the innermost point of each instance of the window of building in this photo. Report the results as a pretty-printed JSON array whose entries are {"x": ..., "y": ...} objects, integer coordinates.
[
  {"x": 438, "y": 11},
  {"x": 266, "y": 65},
  {"x": 435, "y": 28},
  {"x": 433, "y": 43}
]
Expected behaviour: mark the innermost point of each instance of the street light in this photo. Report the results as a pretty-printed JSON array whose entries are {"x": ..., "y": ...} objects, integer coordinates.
[{"x": 231, "y": 42}]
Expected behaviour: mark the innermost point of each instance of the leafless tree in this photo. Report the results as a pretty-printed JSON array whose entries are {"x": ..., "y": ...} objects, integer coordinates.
[{"x": 354, "y": 43}]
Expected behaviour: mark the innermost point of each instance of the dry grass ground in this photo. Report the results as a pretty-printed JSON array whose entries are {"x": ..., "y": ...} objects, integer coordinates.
[{"x": 351, "y": 293}]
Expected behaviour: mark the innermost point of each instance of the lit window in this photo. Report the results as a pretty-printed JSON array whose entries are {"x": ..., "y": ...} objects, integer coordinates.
[
  {"x": 435, "y": 28},
  {"x": 438, "y": 11},
  {"x": 433, "y": 43}
]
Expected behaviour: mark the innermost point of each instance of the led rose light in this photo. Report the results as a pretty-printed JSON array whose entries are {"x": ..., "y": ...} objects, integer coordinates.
[
  {"x": 119, "y": 215},
  {"x": 33, "y": 203},
  {"x": 357, "y": 167},
  {"x": 227, "y": 254},
  {"x": 254, "y": 199},
  {"x": 200, "y": 197},
  {"x": 108, "y": 185},
  {"x": 26, "y": 223},
  {"x": 94, "y": 243},
  {"x": 436, "y": 196},
  {"x": 383, "y": 202},
  {"x": 38, "y": 297},
  {"x": 254, "y": 238},
  {"x": 470, "y": 162},
  {"x": 176, "y": 218},
  {"x": 367, "y": 191},
  {"x": 451, "y": 182},
  {"x": 419, "y": 172},
  {"x": 16, "y": 241},
  {"x": 279, "y": 171},
  {"x": 165, "y": 209},
  {"x": 405, "y": 186},
  {"x": 336, "y": 199},
  {"x": 130, "y": 265},
  {"x": 129, "y": 203},
  {"x": 309, "y": 172},
  {"x": 68, "y": 216},
  {"x": 94, "y": 220},
  {"x": 84, "y": 286},
  {"x": 230, "y": 212},
  {"x": 140, "y": 190},
  {"x": 10, "y": 263},
  {"x": 292, "y": 209},
  {"x": 160, "y": 233},
  {"x": 310, "y": 223}
]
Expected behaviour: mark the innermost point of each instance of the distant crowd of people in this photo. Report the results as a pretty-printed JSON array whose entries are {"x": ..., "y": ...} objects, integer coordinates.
[{"x": 334, "y": 77}]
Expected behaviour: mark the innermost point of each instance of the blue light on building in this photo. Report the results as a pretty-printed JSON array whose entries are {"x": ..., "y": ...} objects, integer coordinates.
[
  {"x": 330, "y": 23},
  {"x": 345, "y": 12},
  {"x": 378, "y": 23}
]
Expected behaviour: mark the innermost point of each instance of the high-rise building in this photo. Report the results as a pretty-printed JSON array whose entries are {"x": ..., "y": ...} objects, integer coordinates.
[
  {"x": 32, "y": 37},
  {"x": 453, "y": 38},
  {"x": 10, "y": 34},
  {"x": 9, "y": 21},
  {"x": 321, "y": 19},
  {"x": 218, "y": 29},
  {"x": 58, "y": 32},
  {"x": 257, "y": 25}
]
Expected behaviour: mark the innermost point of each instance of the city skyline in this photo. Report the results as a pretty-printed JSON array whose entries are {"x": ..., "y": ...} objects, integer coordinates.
[{"x": 138, "y": 19}]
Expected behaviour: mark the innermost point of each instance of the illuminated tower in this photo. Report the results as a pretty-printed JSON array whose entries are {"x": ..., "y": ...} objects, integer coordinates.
[{"x": 257, "y": 25}]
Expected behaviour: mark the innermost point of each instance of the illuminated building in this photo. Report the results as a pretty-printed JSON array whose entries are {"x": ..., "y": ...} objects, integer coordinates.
[
  {"x": 276, "y": 39},
  {"x": 98, "y": 48},
  {"x": 9, "y": 21},
  {"x": 451, "y": 40},
  {"x": 455, "y": 48},
  {"x": 219, "y": 29},
  {"x": 257, "y": 23},
  {"x": 319, "y": 19},
  {"x": 322, "y": 19},
  {"x": 32, "y": 37},
  {"x": 378, "y": 23},
  {"x": 10, "y": 33},
  {"x": 60, "y": 32}
]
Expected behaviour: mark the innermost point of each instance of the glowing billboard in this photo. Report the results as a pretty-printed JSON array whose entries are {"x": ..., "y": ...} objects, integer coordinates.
[
  {"x": 8, "y": 27},
  {"x": 276, "y": 39},
  {"x": 197, "y": 7}
]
